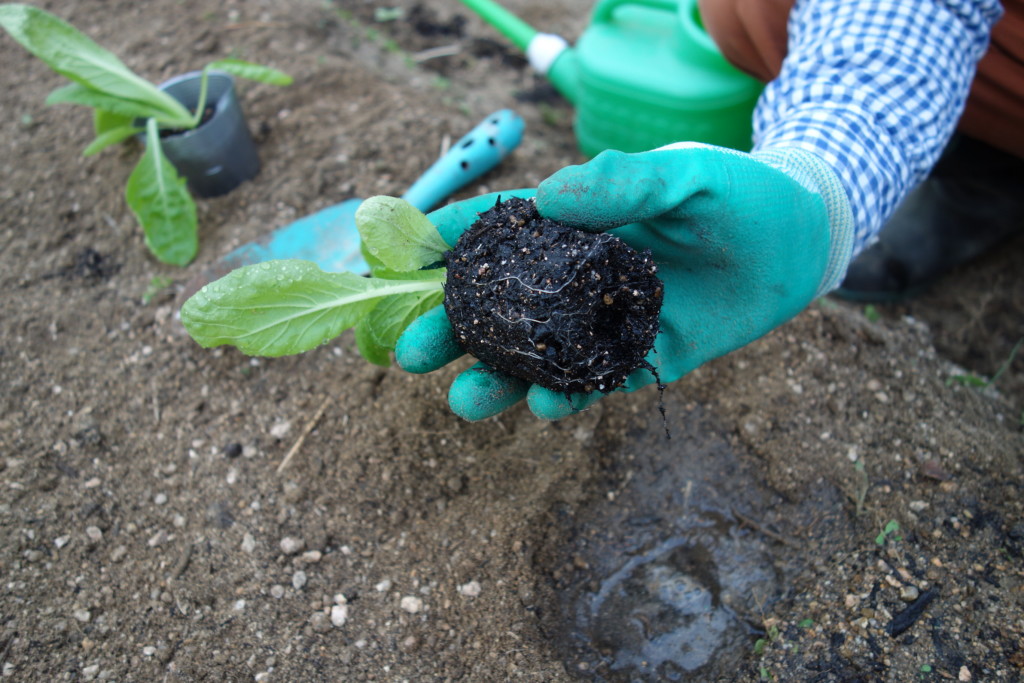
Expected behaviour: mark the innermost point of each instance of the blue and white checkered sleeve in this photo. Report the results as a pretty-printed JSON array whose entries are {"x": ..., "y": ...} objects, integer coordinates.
[{"x": 875, "y": 89}]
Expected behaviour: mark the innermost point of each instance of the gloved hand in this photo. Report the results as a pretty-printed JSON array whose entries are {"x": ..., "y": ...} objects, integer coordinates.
[{"x": 743, "y": 242}]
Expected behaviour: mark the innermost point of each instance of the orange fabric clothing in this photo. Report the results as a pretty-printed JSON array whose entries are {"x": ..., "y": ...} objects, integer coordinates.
[{"x": 752, "y": 35}]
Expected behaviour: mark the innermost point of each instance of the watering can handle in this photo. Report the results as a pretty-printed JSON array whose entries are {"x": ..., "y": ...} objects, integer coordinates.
[{"x": 605, "y": 9}]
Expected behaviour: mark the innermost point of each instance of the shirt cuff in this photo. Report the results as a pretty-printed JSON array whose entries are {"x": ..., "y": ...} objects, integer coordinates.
[{"x": 816, "y": 176}]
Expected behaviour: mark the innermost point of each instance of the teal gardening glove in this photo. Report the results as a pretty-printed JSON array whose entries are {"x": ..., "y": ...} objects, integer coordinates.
[{"x": 743, "y": 242}]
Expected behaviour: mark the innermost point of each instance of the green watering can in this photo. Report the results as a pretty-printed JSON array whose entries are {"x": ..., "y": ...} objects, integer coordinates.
[{"x": 644, "y": 74}]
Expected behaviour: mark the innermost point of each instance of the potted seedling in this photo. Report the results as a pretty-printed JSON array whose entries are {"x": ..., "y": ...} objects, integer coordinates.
[
  {"x": 570, "y": 310},
  {"x": 191, "y": 124}
]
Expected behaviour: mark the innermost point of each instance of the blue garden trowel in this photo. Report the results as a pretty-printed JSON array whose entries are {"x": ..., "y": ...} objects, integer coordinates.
[{"x": 329, "y": 237}]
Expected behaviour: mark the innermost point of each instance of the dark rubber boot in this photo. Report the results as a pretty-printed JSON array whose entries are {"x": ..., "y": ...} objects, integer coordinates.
[{"x": 972, "y": 201}]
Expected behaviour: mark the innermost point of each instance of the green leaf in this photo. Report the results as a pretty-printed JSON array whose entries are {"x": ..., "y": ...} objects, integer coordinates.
[
  {"x": 74, "y": 55},
  {"x": 383, "y": 14},
  {"x": 73, "y": 93},
  {"x": 278, "y": 308},
  {"x": 890, "y": 528},
  {"x": 378, "y": 333},
  {"x": 968, "y": 381},
  {"x": 110, "y": 137},
  {"x": 376, "y": 267},
  {"x": 389, "y": 319},
  {"x": 103, "y": 121},
  {"x": 157, "y": 196},
  {"x": 250, "y": 71},
  {"x": 399, "y": 234},
  {"x": 368, "y": 346},
  {"x": 158, "y": 283}
]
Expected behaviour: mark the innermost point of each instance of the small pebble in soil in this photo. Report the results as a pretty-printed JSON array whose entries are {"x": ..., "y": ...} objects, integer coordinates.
[
  {"x": 248, "y": 543},
  {"x": 339, "y": 615},
  {"x": 470, "y": 589},
  {"x": 299, "y": 580},
  {"x": 320, "y": 622},
  {"x": 291, "y": 545},
  {"x": 411, "y": 604},
  {"x": 233, "y": 450},
  {"x": 280, "y": 429},
  {"x": 909, "y": 593},
  {"x": 294, "y": 493}
]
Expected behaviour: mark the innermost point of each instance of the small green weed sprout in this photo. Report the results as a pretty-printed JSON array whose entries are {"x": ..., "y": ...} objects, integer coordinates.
[
  {"x": 972, "y": 380},
  {"x": 889, "y": 532}
]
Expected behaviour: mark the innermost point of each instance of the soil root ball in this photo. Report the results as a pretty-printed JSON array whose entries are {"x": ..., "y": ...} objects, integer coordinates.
[{"x": 570, "y": 310}]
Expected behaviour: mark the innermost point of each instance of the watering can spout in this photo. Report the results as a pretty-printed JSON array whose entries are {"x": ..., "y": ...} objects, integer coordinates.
[
  {"x": 552, "y": 57},
  {"x": 549, "y": 54}
]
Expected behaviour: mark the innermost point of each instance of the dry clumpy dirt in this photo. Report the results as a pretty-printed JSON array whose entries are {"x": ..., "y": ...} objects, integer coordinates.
[{"x": 147, "y": 534}]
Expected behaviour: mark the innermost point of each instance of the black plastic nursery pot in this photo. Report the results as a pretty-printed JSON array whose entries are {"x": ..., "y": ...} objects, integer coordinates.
[{"x": 219, "y": 154}]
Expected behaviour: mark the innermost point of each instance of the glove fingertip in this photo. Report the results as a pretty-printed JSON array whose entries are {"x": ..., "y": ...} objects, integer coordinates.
[
  {"x": 481, "y": 392},
  {"x": 551, "y": 405},
  {"x": 428, "y": 343}
]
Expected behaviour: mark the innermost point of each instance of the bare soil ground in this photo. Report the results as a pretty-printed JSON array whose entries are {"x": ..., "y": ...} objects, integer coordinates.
[{"x": 146, "y": 534}]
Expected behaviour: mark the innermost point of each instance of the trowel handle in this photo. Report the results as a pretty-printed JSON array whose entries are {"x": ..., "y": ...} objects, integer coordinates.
[{"x": 474, "y": 154}]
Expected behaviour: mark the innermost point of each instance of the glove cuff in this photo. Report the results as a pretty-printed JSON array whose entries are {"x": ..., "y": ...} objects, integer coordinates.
[{"x": 815, "y": 175}]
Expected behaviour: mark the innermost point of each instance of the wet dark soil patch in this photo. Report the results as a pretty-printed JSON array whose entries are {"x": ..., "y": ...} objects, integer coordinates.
[
  {"x": 424, "y": 20},
  {"x": 667, "y": 576},
  {"x": 90, "y": 265},
  {"x": 570, "y": 310},
  {"x": 440, "y": 43}
]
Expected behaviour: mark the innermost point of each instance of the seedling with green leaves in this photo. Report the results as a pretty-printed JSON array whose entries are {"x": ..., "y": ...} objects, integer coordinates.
[
  {"x": 889, "y": 532},
  {"x": 971, "y": 380},
  {"x": 126, "y": 105},
  {"x": 284, "y": 307},
  {"x": 567, "y": 309}
]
